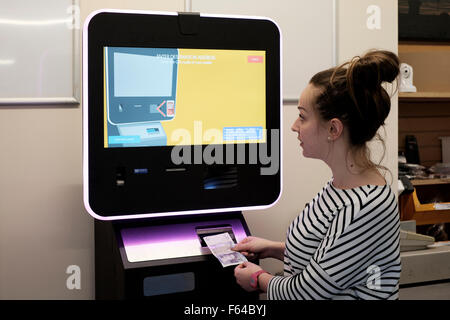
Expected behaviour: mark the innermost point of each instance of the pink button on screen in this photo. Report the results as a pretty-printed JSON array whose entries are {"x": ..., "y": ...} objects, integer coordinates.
[{"x": 255, "y": 59}]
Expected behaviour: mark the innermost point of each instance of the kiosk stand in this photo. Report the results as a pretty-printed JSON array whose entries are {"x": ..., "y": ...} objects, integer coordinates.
[
  {"x": 158, "y": 259},
  {"x": 177, "y": 110}
]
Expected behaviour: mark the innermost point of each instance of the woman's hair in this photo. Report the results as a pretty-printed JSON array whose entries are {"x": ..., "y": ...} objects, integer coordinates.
[{"x": 352, "y": 92}]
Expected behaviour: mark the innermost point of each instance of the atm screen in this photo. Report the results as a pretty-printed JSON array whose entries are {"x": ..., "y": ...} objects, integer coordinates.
[
  {"x": 168, "y": 97},
  {"x": 181, "y": 114}
]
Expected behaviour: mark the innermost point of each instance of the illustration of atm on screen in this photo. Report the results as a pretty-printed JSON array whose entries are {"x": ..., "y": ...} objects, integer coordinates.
[{"x": 140, "y": 90}]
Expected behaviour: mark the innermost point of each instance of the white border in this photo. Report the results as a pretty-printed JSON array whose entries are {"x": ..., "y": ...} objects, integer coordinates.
[
  {"x": 75, "y": 98},
  {"x": 86, "y": 132}
]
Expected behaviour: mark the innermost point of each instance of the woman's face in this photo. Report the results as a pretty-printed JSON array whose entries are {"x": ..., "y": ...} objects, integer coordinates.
[{"x": 310, "y": 129}]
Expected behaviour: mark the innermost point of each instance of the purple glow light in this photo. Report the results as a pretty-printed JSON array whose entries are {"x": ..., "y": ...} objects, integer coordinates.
[{"x": 175, "y": 232}]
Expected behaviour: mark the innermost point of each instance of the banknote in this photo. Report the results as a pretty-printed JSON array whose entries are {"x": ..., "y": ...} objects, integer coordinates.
[{"x": 220, "y": 246}]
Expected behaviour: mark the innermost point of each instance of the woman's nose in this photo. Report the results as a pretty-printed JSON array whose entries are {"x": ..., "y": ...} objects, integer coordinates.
[{"x": 294, "y": 126}]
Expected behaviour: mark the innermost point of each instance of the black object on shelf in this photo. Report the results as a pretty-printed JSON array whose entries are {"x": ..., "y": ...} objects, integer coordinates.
[
  {"x": 409, "y": 188},
  {"x": 411, "y": 149}
]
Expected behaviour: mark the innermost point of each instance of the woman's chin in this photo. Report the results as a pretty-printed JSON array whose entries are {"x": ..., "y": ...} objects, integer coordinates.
[{"x": 307, "y": 154}]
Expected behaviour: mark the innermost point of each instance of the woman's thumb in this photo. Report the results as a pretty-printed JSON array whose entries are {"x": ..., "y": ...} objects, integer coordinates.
[{"x": 241, "y": 246}]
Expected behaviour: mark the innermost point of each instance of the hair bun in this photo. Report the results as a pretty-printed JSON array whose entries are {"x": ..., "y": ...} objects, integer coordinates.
[
  {"x": 374, "y": 68},
  {"x": 352, "y": 92}
]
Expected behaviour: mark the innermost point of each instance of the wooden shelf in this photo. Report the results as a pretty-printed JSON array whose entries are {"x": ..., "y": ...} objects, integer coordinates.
[
  {"x": 426, "y": 113},
  {"x": 426, "y": 182},
  {"x": 424, "y": 96}
]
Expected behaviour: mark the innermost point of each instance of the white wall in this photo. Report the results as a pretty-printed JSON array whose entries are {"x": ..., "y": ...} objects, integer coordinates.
[
  {"x": 44, "y": 227},
  {"x": 302, "y": 177},
  {"x": 359, "y": 31}
]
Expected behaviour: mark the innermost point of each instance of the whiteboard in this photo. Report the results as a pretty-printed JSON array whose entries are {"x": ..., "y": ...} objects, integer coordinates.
[
  {"x": 39, "y": 52},
  {"x": 308, "y": 34}
]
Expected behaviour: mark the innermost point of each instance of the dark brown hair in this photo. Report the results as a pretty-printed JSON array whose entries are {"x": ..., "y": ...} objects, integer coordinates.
[{"x": 352, "y": 92}]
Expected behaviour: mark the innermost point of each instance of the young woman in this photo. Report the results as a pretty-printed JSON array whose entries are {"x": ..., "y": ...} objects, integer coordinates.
[{"x": 345, "y": 242}]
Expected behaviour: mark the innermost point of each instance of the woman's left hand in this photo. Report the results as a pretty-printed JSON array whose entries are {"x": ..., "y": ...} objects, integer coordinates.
[{"x": 243, "y": 273}]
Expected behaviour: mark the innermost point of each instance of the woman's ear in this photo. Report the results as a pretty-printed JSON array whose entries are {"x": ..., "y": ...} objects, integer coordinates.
[{"x": 335, "y": 129}]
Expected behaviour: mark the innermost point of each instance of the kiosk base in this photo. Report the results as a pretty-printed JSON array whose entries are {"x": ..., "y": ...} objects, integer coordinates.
[{"x": 165, "y": 259}]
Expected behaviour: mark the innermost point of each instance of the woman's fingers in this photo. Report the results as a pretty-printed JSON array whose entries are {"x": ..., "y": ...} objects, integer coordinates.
[{"x": 244, "y": 245}]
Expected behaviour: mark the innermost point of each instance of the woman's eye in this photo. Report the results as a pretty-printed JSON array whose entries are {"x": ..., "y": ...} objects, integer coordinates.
[{"x": 301, "y": 116}]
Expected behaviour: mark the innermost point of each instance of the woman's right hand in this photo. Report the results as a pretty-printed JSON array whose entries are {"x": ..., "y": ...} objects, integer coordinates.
[{"x": 254, "y": 247}]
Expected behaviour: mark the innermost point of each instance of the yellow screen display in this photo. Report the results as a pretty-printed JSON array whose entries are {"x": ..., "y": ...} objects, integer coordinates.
[{"x": 167, "y": 97}]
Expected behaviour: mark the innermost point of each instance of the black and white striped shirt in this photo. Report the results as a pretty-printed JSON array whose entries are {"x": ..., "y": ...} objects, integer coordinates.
[{"x": 344, "y": 245}]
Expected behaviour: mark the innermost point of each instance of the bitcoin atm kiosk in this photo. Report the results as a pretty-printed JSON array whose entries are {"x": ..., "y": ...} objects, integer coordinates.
[{"x": 181, "y": 124}]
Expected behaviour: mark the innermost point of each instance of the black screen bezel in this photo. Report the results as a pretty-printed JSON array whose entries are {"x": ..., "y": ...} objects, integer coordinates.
[{"x": 106, "y": 199}]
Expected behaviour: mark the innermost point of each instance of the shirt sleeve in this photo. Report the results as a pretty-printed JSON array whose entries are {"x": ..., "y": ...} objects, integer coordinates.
[{"x": 312, "y": 284}]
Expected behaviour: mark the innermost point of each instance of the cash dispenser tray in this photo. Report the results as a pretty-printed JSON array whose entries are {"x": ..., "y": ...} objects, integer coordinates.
[
  {"x": 203, "y": 232},
  {"x": 178, "y": 240}
]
